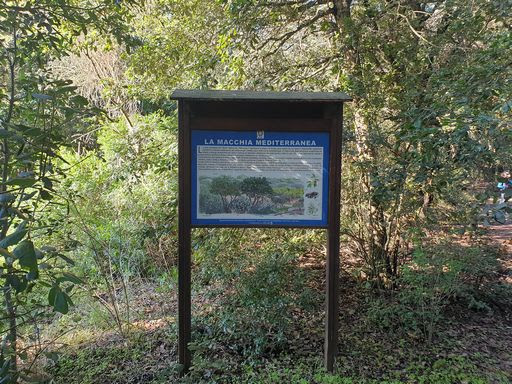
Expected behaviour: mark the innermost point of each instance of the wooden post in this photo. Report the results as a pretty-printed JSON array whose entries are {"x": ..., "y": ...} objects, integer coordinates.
[
  {"x": 184, "y": 240},
  {"x": 333, "y": 238}
]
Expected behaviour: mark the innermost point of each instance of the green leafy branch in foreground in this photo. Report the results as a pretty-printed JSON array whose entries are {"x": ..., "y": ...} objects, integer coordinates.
[{"x": 36, "y": 112}]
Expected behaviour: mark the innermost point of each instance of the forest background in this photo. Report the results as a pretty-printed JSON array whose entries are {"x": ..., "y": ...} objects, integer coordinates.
[{"x": 88, "y": 192}]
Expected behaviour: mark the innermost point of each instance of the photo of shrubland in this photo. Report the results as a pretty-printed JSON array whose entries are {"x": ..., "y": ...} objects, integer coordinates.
[
  {"x": 240, "y": 195},
  {"x": 90, "y": 176}
]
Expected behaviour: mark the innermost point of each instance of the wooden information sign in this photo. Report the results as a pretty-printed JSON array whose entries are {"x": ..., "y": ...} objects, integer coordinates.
[{"x": 259, "y": 159}]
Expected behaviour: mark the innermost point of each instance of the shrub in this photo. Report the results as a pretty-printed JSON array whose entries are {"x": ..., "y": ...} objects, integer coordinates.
[
  {"x": 436, "y": 276},
  {"x": 210, "y": 203},
  {"x": 241, "y": 204},
  {"x": 255, "y": 313},
  {"x": 126, "y": 192}
]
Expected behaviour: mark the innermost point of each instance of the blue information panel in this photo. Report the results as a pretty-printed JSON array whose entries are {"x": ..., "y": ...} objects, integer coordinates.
[{"x": 260, "y": 178}]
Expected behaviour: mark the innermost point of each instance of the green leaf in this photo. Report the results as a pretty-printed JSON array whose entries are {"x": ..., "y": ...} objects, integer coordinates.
[
  {"x": 48, "y": 184},
  {"x": 45, "y": 266},
  {"x": 61, "y": 303},
  {"x": 4, "y": 133},
  {"x": 18, "y": 284},
  {"x": 68, "y": 298},
  {"x": 26, "y": 255},
  {"x": 499, "y": 216},
  {"x": 6, "y": 198},
  {"x": 80, "y": 100},
  {"x": 30, "y": 131},
  {"x": 41, "y": 96},
  {"x": 32, "y": 275},
  {"x": 13, "y": 281},
  {"x": 66, "y": 259},
  {"x": 54, "y": 356},
  {"x": 23, "y": 182},
  {"x": 15, "y": 237},
  {"x": 23, "y": 355},
  {"x": 45, "y": 195},
  {"x": 66, "y": 276},
  {"x": 52, "y": 294},
  {"x": 39, "y": 253}
]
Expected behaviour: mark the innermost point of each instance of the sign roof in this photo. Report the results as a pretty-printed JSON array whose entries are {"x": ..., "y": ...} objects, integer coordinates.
[{"x": 220, "y": 95}]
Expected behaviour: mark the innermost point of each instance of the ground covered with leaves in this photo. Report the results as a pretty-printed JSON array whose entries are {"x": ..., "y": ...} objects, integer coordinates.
[{"x": 383, "y": 337}]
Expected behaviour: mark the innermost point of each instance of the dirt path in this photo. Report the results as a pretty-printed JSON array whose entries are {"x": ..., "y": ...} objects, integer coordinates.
[{"x": 502, "y": 236}]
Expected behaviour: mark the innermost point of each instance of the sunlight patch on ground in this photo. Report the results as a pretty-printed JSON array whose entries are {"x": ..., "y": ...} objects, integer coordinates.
[{"x": 151, "y": 325}]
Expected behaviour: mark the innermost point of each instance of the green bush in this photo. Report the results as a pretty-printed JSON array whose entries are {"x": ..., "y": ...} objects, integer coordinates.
[
  {"x": 210, "y": 203},
  {"x": 258, "y": 312},
  {"x": 254, "y": 277},
  {"x": 436, "y": 276},
  {"x": 241, "y": 204},
  {"x": 125, "y": 194}
]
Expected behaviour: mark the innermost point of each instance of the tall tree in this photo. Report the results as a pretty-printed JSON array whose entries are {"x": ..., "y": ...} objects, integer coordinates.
[
  {"x": 257, "y": 188},
  {"x": 228, "y": 188},
  {"x": 431, "y": 86}
]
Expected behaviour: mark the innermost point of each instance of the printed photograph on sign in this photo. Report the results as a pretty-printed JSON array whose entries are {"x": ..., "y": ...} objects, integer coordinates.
[{"x": 251, "y": 177}]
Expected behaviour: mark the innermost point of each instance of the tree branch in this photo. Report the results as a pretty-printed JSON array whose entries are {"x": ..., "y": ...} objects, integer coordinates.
[
  {"x": 285, "y": 37},
  {"x": 303, "y": 4},
  {"x": 416, "y": 33}
]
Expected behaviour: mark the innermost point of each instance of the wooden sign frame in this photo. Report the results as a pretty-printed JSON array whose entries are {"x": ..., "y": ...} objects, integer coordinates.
[{"x": 259, "y": 111}]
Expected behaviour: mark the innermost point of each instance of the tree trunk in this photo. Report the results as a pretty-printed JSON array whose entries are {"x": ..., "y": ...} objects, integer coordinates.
[
  {"x": 13, "y": 332},
  {"x": 376, "y": 228}
]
